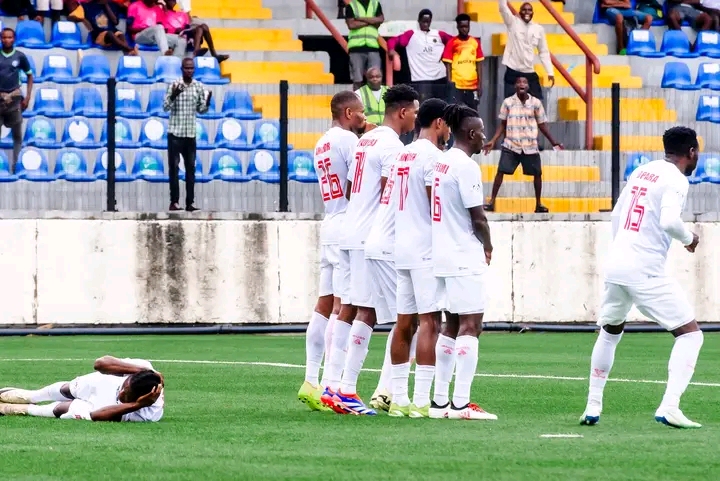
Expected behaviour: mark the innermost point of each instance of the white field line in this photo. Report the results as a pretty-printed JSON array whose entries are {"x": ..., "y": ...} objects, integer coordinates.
[{"x": 301, "y": 366}]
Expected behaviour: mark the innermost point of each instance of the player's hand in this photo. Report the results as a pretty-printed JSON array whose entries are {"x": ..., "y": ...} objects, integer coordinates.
[
  {"x": 488, "y": 147},
  {"x": 178, "y": 89},
  {"x": 24, "y": 103},
  {"x": 552, "y": 81},
  {"x": 693, "y": 245},
  {"x": 150, "y": 398},
  {"x": 209, "y": 97},
  {"x": 162, "y": 378},
  {"x": 488, "y": 256},
  {"x": 558, "y": 147}
]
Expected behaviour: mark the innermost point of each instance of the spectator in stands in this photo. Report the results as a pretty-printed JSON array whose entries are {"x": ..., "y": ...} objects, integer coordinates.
[
  {"x": 522, "y": 117},
  {"x": 424, "y": 47},
  {"x": 12, "y": 102},
  {"x": 617, "y": 11},
  {"x": 524, "y": 36},
  {"x": 20, "y": 8},
  {"x": 371, "y": 95},
  {"x": 462, "y": 57},
  {"x": 144, "y": 27},
  {"x": 363, "y": 17},
  {"x": 100, "y": 17},
  {"x": 177, "y": 22},
  {"x": 51, "y": 8},
  {"x": 690, "y": 11},
  {"x": 184, "y": 98}
]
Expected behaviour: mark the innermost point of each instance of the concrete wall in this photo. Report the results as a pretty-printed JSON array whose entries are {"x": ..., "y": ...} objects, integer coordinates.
[{"x": 125, "y": 269}]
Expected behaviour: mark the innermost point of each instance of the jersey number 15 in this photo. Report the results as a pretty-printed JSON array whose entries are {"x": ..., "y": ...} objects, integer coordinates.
[{"x": 637, "y": 209}]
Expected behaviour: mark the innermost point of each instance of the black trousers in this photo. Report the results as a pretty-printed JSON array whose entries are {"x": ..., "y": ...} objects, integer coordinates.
[{"x": 186, "y": 147}]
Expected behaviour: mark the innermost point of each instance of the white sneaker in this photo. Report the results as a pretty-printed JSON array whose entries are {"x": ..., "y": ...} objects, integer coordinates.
[
  {"x": 438, "y": 412},
  {"x": 471, "y": 412},
  {"x": 13, "y": 409},
  {"x": 591, "y": 416},
  {"x": 675, "y": 418},
  {"x": 381, "y": 399},
  {"x": 13, "y": 395}
]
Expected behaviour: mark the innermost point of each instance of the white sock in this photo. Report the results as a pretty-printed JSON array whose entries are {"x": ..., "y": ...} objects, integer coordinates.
[
  {"x": 444, "y": 366},
  {"x": 341, "y": 335},
  {"x": 44, "y": 411},
  {"x": 413, "y": 348},
  {"x": 423, "y": 381},
  {"x": 314, "y": 347},
  {"x": 48, "y": 393},
  {"x": 681, "y": 367},
  {"x": 385, "y": 383},
  {"x": 328, "y": 347},
  {"x": 603, "y": 356},
  {"x": 400, "y": 378},
  {"x": 357, "y": 352},
  {"x": 466, "y": 361}
]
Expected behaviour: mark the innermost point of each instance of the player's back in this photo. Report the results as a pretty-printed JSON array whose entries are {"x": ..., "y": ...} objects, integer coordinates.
[
  {"x": 639, "y": 249},
  {"x": 380, "y": 242}
]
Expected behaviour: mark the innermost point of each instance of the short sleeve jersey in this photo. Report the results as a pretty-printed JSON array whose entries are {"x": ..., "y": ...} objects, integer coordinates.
[{"x": 464, "y": 55}]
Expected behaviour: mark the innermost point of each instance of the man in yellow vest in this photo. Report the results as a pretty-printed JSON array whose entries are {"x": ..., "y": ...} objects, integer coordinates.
[
  {"x": 371, "y": 96},
  {"x": 363, "y": 17}
]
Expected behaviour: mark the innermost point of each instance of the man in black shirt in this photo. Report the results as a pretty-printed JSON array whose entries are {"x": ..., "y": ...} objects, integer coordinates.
[
  {"x": 100, "y": 17},
  {"x": 12, "y": 102}
]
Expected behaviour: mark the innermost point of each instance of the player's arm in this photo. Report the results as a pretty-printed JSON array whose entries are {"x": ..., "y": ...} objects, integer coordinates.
[
  {"x": 471, "y": 193},
  {"x": 116, "y": 413},
  {"x": 671, "y": 221},
  {"x": 118, "y": 367},
  {"x": 447, "y": 58}
]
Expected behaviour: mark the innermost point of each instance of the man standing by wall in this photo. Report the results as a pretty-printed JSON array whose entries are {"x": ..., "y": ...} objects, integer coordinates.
[
  {"x": 12, "y": 102},
  {"x": 371, "y": 96},
  {"x": 184, "y": 98},
  {"x": 363, "y": 17},
  {"x": 462, "y": 57},
  {"x": 523, "y": 38}
]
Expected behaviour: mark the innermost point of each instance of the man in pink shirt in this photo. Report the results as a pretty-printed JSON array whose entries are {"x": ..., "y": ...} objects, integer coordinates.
[{"x": 144, "y": 27}]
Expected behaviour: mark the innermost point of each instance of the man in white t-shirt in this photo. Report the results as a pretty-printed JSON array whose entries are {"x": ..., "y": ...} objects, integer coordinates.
[
  {"x": 461, "y": 252},
  {"x": 127, "y": 390},
  {"x": 645, "y": 219},
  {"x": 333, "y": 154},
  {"x": 374, "y": 155},
  {"x": 416, "y": 284}
]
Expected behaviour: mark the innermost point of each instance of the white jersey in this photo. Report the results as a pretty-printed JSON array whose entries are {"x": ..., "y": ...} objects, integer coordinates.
[
  {"x": 457, "y": 187},
  {"x": 333, "y": 154},
  {"x": 415, "y": 170},
  {"x": 380, "y": 242},
  {"x": 640, "y": 245},
  {"x": 374, "y": 155}
]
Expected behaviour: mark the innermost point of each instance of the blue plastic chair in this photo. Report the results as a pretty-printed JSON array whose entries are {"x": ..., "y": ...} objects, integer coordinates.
[
  {"x": 200, "y": 178},
  {"x": 266, "y": 135},
  {"x": 633, "y": 162},
  {"x": 57, "y": 69},
  {"x": 642, "y": 43},
  {"x": 708, "y": 109},
  {"x": 301, "y": 167},
  {"x": 30, "y": 34},
  {"x": 708, "y": 76},
  {"x": 5, "y": 175},
  {"x": 6, "y": 141},
  {"x": 212, "y": 113},
  {"x": 710, "y": 168},
  {"x": 41, "y": 133},
  {"x": 133, "y": 69},
  {"x": 79, "y": 133},
  {"x": 153, "y": 134},
  {"x": 148, "y": 166},
  {"x": 238, "y": 104},
  {"x": 677, "y": 76},
  {"x": 72, "y": 166},
  {"x": 50, "y": 103},
  {"x": 94, "y": 69},
  {"x": 155, "y": 104},
  {"x": 202, "y": 141},
  {"x": 226, "y": 165},
  {"x": 32, "y": 165},
  {"x": 87, "y": 102},
  {"x": 707, "y": 44},
  {"x": 264, "y": 166},
  {"x": 123, "y": 135},
  {"x": 128, "y": 104},
  {"x": 676, "y": 44},
  {"x": 167, "y": 69},
  {"x": 121, "y": 173},
  {"x": 67, "y": 35},
  {"x": 207, "y": 71},
  {"x": 232, "y": 134}
]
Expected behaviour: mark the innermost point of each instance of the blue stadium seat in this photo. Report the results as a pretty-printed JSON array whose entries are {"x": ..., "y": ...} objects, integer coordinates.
[
  {"x": 23, "y": 77},
  {"x": 710, "y": 168},
  {"x": 5, "y": 138},
  {"x": 123, "y": 135},
  {"x": 708, "y": 76},
  {"x": 155, "y": 104},
  {"x": 708, "y": 109},
  {"x": 94, "y": 69},
  {"x": 57, "y": 68},
  {"x": 50, "y": 103},
  {"x": 201, "y": 136},
  {"x": 40, "y": 132},
  {"x": 153, "y": 133},
  {"x": 128, "y": 104},
  {"x": 79, "y": 133},
  {"x": 264, "y": 166},
  {"x": 72, "y": 166},
  {"x": 207, "y": 71},
  {"x": 212, "y": 113},
  {"x": 149, "y": 166},
  {"x": 167, "y": 69},
  {"x": 707, "y": 44},
  {"x": 301, "y": 166},
  {"x": 133, "y": 69},
  {"x": 87, "y": 102},
  {"x": 30, "y": 34},
  {"x": 67, "y": 35},
  {"x": 226, "y": 165},
  {"x": 677, "y": 44},
  {"x": 5, "y": 175},
  {"x": 33, "y": 166},
  {"x": 232, "y": 134},
  {"x": 267, "y": 135},
  {"x": 238, "y": 104},
  {"x": 633, "y": 162},
  {"x": 200, "y": 178},
  {"x": 642, "y": 43},
  {"x": 677, "y": 76},
  {"x": 121, "y": 173}
]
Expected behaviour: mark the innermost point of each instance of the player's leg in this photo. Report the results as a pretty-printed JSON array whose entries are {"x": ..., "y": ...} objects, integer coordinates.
[
  {"x": 400, "y": 349},
  {"x": 507, "y": 165},
  {"x": 59, "y": 391},
  {"x": 382, "y": 397},
  {"x": 328, "y": 337},
  {"x": 52, "y": 410},
  {"x": 444, "y": 358}
]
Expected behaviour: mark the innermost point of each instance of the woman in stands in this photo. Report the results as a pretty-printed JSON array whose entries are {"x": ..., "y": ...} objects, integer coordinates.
[{"x": 178, "y": 22}]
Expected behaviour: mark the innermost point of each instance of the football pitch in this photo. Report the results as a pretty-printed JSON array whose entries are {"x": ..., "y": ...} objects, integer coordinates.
[{"x": 232, "y": 414}]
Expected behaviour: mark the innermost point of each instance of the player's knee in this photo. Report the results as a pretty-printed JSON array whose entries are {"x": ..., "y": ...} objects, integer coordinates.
[
  {"x": 325, "y": 305},
  {"x": 614, "y": 329},
  {"x": 61, "y": 408}
]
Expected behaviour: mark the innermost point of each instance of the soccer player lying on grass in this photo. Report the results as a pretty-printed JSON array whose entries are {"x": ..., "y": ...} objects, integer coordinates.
[{"x": 119, "y": 390}]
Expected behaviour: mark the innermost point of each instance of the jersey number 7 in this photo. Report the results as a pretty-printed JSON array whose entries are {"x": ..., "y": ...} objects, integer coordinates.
[
  {"x": 637, "y": 210},
  {"x": 403, "y": 173},
  {"x": 329, "y": 182}
]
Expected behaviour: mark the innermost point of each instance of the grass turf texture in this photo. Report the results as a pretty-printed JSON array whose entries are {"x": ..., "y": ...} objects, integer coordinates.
[{"x": 235, "y": 421}]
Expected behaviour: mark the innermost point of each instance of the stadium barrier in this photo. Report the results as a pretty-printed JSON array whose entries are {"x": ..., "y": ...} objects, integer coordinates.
[{"x": 136, "y": 270}]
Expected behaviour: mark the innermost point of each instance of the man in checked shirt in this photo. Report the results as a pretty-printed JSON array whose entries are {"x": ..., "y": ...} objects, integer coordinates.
[{"x": 184, "y": 98}]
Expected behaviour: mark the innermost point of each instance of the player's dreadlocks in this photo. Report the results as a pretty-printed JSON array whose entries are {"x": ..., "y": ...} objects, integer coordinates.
[
  {"x": 455, "y": 115},
  {"x": 143, "y": 382},
  {"x": 679, "y": 140}
]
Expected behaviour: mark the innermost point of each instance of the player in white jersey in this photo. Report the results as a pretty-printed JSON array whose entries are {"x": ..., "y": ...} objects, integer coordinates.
[
  {"x": 416, "y": 288},
  {"x": 461, "y": 252},
  {"x": 333, "y": 154},
  {"x": 645, "y": 219},
  {"x": 127, "y": 390},
  {"x": 375, "y": 153}
]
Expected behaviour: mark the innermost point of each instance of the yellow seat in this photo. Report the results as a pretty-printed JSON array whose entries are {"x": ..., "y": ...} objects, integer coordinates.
[
  {"x": 242, "y": 13},
  {"x": 299, "y": 106},
  {"x": 574, "y": 205},
  {"x": 558, "y": 43},
  {"x": 303, "y": 140},
  {"x": 252, "y": 39},
  {"x": 631, "y": 110},
  {"x": 551, "y": 173},
  {"x": 634, "y": 143},
  {"x": 488, "y": 12},
  {"x": 274, "y": 72}
]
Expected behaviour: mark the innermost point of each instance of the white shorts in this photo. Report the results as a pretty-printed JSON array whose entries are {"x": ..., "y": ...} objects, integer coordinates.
[
  {"x": 329, "y": 270},
  {"x": 417, "y": 291},
  {"x": 661, "y": 299},
  {"x": 46, "y": 5},
  {"x": 343, "y": 277},
  {"x": 384, "y": 290},
  {"x": 463, "y": 294},
  {"x": 360, "y": 279}
]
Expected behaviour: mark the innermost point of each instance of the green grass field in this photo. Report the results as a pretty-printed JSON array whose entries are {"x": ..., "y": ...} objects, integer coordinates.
[{"x": 231, "y": 415}]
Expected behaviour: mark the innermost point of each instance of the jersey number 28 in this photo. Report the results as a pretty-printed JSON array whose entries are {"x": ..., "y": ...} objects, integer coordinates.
[{"x": 637, "y": 210}]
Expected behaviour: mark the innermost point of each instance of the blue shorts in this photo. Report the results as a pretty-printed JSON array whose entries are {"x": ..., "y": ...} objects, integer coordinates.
[{"x": 612, "y": 13}]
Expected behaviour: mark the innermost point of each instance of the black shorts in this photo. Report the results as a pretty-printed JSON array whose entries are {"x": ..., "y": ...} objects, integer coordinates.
[
  {"x": 11, "y": 118},
  {"x": 510, "y": 160}
]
